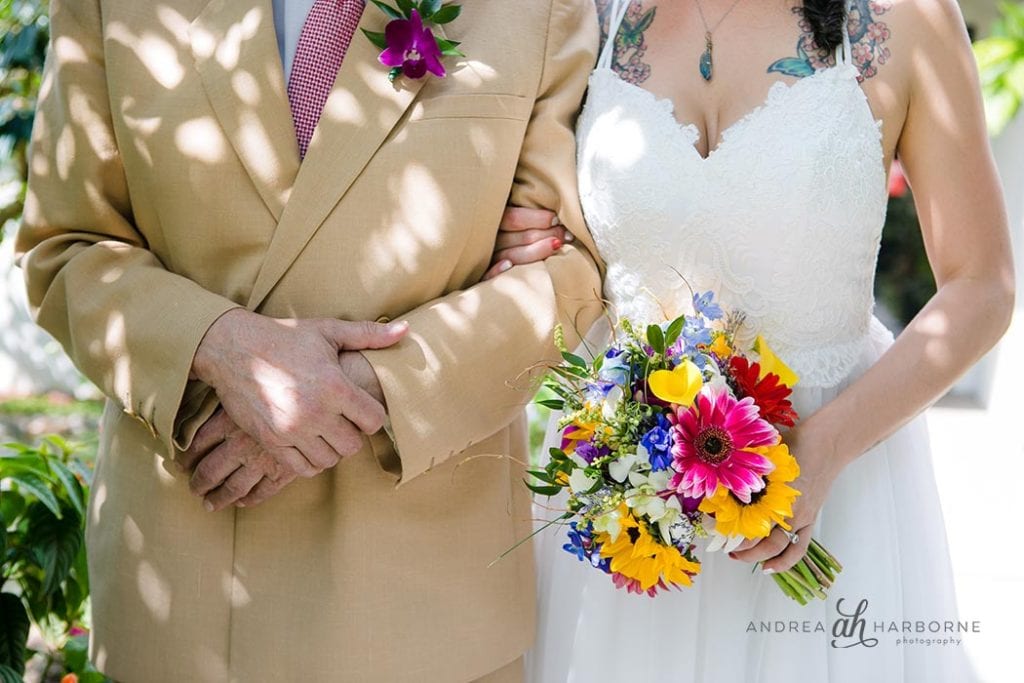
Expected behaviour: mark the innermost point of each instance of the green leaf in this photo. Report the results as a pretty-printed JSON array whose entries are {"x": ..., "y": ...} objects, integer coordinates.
[
  {"x": 71, "y": 485},
  {"x": 574, "y": 360},
  {"x": 9, "y": 675},
  {"x": 543, "y": 476},
  {"x": 407, "y": 6},
  {"x": 447, "y": 14},
  {"x": 656, "y": 338},
  {"x": 92, "y": 677},
  {"x": 27, "y": 461},
  {"x": 551, "y": 403},
  {"x": 55, "y": 544},
  {"x": 557, "y": 454},
  {"x": 674, "y": 330},
  {"x": 14, "y": 625},
  {"x": 377, "y": 39},
  {"x": 449, "y": 48},
  {"x": 387, "y": 9},
  {"x": 12, "y": 504},
  {"x": 543, "y": 490},
  {"x": 429, "y": 7},
  {"x": 38, "y": 487},
  {"x": 76, "y": 653}
]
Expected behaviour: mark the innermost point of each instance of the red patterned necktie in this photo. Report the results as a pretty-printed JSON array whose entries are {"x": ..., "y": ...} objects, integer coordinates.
[{"x": 323, "y": 43}]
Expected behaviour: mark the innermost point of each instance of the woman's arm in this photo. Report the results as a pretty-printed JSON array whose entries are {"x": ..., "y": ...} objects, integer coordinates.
[{"x": 945, "y": 151}]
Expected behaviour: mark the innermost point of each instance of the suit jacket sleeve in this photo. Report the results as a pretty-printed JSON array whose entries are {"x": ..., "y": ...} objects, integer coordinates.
[
  {"x": 460, "y": 376},
  {"x": 127, "y": 322}
]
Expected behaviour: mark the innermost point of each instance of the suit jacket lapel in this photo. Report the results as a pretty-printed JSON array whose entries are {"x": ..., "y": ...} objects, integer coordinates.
[
  {"x": 235, "y": 50},
  {"x": 360, "y": 112}
]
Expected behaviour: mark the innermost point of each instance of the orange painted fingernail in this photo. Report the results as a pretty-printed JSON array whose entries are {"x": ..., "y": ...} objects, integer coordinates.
[{"x": 556, "y": 244}]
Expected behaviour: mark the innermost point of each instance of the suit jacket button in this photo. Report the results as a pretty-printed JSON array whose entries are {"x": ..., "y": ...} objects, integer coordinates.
[{"x": 383, "y": 320}]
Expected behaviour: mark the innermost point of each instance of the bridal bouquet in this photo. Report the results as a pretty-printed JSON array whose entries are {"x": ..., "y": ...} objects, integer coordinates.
[{"x": 670, "y": 437}]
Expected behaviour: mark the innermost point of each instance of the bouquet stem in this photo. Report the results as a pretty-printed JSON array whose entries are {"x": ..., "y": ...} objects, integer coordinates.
[{"x": 811, "y": 576}]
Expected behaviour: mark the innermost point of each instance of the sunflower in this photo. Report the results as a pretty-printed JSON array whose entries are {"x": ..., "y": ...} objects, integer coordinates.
[
  {"x": 768, "y": 507},
  {"x": 641, "y": 560}
]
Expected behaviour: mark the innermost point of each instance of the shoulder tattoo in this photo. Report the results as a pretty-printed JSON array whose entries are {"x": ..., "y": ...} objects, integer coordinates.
[
  {"x": 868, "y": 35},
  {"x": 630, "y": 50}
]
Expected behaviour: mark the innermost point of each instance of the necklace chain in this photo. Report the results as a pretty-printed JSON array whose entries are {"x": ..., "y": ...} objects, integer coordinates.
[{"x": 704, "y": 21}]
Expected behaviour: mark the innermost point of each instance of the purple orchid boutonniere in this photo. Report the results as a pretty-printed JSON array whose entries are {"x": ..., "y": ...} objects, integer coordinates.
[{"x": 408, "y": 44}]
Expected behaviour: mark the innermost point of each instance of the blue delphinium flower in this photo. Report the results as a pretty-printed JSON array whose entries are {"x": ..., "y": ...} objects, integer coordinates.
[
  {"x": 695, "y": 332},
  {"x": 705, "y": 304},
  {"x": 658, "y": 442},
  {"x": 581, "y": 544}
]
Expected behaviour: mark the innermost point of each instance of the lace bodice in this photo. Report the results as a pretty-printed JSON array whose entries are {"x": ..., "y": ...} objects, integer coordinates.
[{"x": 783, "y": 220}]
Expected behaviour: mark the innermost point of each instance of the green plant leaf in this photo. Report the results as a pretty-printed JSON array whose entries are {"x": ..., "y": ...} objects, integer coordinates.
[
  {"x": 656, "y": 338},
  {"x": 26, "y": 461},
  {"x": 72, "y": 487},
  {"x": 429, "y": 7},
  {"x": 12, "y": 504},
  {"x": 377, "y": 39},
  {"x": 76, "y": 653},
  {"x": 675, "y": 329},
  {"x": 551, "y": 403},
  {"x": 449, "y": 48},
  {"x": 447, "y": 14},
  {"x": 55, "y": 544},
  {"x": 407, "y": 6},
  {"x": 14, "y": 625},
  {"x": 574, "y": 360},
  {"x": 9, "y": 675},
  {"x": 387, "y": 9},
  {"x": 543, "y": 476},
  {"x": 32, "y": 483},
  {"x": 543, "y": 490}
]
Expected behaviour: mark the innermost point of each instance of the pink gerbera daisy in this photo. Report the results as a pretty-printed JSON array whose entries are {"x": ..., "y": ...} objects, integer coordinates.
[{"x": 711, "y": 442}]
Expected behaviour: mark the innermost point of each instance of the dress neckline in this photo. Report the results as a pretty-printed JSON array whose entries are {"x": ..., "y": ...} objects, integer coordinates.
[{"x": 776, "y": 94}]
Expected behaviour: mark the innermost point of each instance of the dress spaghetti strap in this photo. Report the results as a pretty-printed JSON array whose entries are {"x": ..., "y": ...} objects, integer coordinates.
[
  {"x": 617, "y": 12},
  {"x": 847, "y": 57}
]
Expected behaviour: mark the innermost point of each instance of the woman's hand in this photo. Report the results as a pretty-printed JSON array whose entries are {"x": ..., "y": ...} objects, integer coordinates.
[
  {"x": 819, "y": 467},
  {"x": 526, "y": 236}
]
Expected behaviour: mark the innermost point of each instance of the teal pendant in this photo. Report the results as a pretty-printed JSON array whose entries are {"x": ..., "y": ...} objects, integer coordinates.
[{"x": 706, "y": 63}]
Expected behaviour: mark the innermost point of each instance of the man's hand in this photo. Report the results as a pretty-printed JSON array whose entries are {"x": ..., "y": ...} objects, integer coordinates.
[
  {"x": 229, "y": 467},
  {"x": 282, "y": 383},
  {"x": 358, "y": 369}
]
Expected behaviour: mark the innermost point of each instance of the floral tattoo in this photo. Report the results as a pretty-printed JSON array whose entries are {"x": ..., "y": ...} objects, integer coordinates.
[
  {"x": 867, "y": 43},
  {"x": 630, "y": 43}
]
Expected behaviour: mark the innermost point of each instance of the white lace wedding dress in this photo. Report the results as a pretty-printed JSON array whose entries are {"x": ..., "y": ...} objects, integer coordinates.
[{"x": 783, "y": 221}]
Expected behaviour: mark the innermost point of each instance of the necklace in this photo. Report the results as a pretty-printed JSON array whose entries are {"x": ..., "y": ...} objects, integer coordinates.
[{"x": 707, "y": 65}]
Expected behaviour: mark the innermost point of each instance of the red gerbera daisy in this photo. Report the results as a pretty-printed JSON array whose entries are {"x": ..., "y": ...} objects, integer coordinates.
[{"x": 770, "y": 395}]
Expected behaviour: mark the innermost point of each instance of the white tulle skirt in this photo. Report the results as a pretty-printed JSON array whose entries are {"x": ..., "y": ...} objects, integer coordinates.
[{"x": 882, "y": 520}]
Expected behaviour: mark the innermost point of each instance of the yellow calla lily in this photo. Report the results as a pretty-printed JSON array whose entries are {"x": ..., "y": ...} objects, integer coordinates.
[
  {"x": 772, "y": 364},
  {"x": 679, "y": 386}
]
